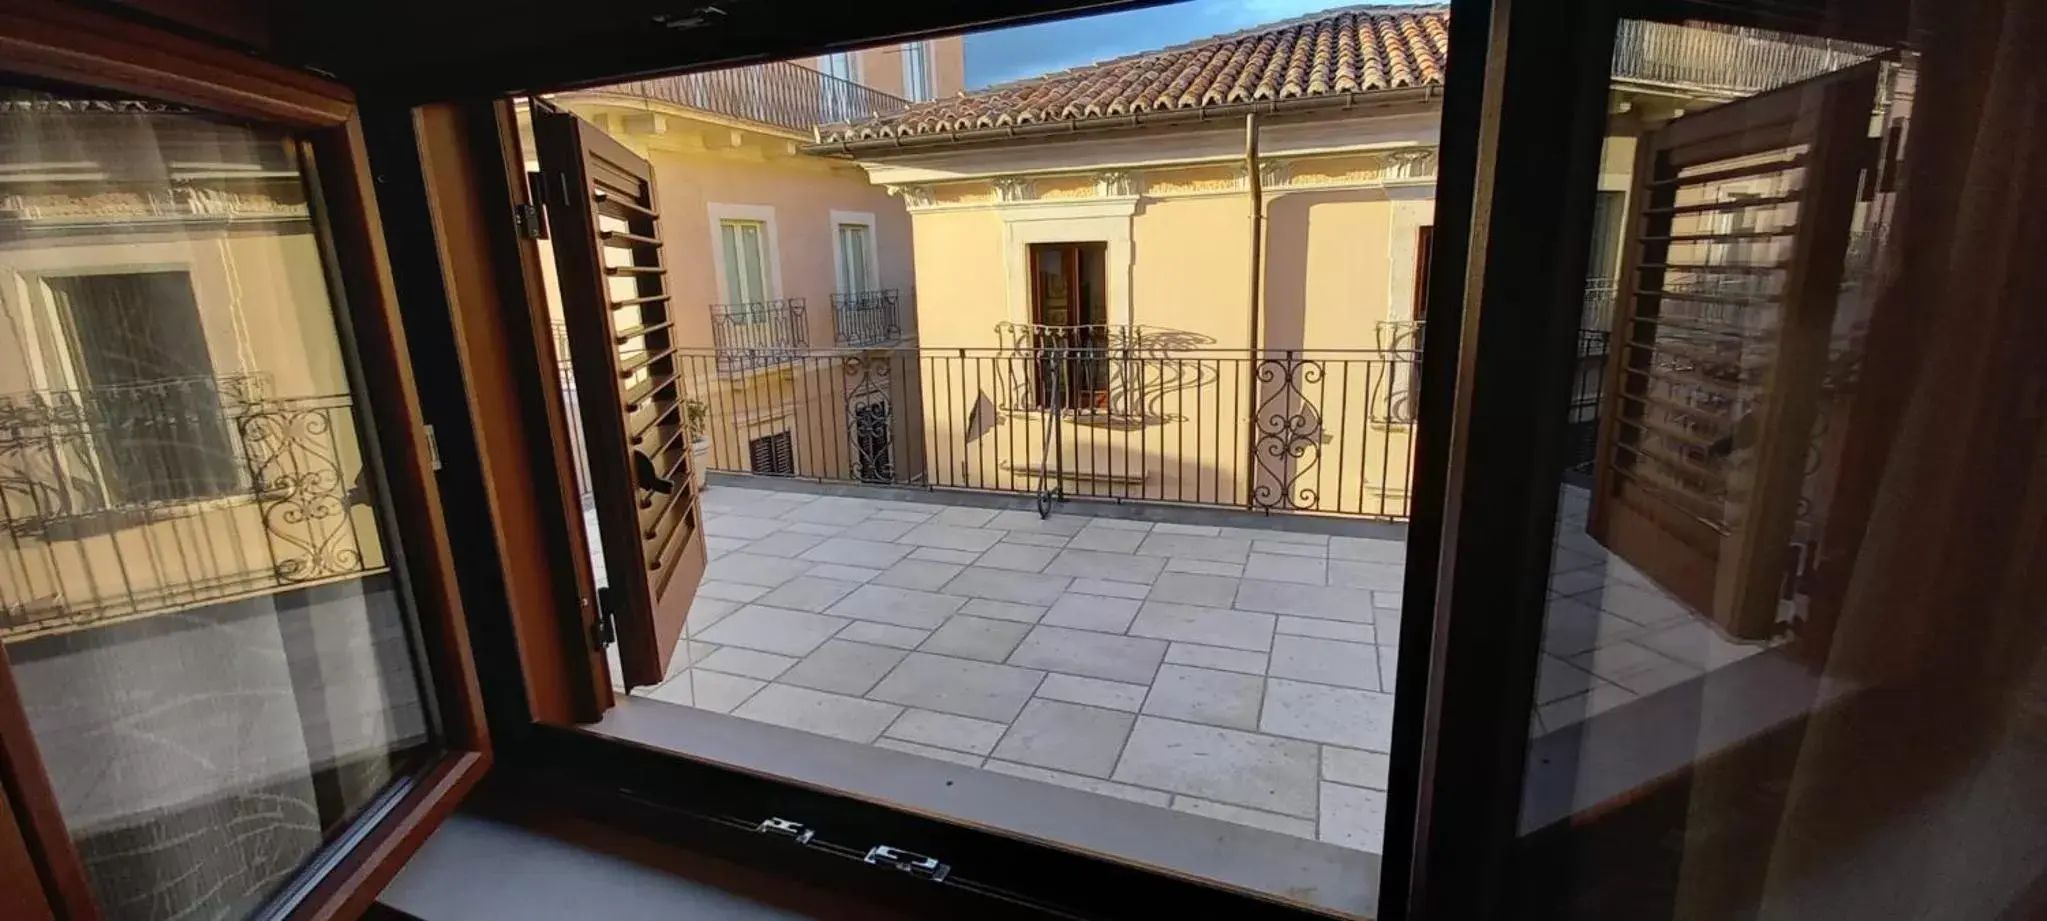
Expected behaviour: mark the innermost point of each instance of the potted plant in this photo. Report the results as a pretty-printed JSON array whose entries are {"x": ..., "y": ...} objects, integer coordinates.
[{"x": 694, "y": 415}]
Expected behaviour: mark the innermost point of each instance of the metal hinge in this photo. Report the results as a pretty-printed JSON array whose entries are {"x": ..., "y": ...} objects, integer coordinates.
[
  {"x": 604, "y": 631},
  {"x": 914, "y": 864},
  {"x": 787, "y": 829},
  {"x": 527, "y": 220}
]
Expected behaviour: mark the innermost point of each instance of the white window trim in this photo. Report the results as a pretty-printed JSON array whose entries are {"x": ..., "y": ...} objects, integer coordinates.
[
  {"x": 1077, "y": 222},
  {"x": 921, "y": 53},
  {"x": 765, "y": 214},
  {"x": 863, "y": 218}
]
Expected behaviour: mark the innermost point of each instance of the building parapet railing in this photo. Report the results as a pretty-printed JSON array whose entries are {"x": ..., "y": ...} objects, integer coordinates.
[
  {"x": 779, "y": 93},
  {"x": 758, "y": 334},
  {"x": 867, "y": 317},
  {"x": 135, "y": 499},
  {"x": 1735, "y": 60}
]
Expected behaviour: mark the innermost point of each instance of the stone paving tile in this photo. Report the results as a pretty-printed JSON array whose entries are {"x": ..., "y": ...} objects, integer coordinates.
[
  {"x": 951, "y": 538},
  {"x": 959, "y": 686},
  {"x": 735, "y": 661},
  {"x": 1095, "y": 692},
  {"x": 1274, "y": 534},
  {"x": 1380, "y": 576},
  {"x": 1193, "y": 588},
  {"x": 1120, "y": 524},
  {"x": 873, "y": 529},
  {"x": 1340, "y": 716},
  {"x": 1004, "y": 610},
  {"x": 1352, "y": 817},
  {"x": 1694, "y": 643},
  {"x": 1003, "y": 585},
  {"x": 1066, "y": 737},
  {"x": 703, "y": 612},
  {"x": 832, "y": 510},
  {"x": 1213, "y": 549},
  {"x": 1285, "y": 825},
  {"x": 1570, "y": 627},
  {"x": 1642, "y": 606},
  {"x": 1273, "y": 567},
  {"x": 843, "y": 573},
  {"x": 1369, "y": 550},
  {"x": 1090, "y": 654},
  {"x": 741, "y": 526},
  {"x": 789, "y": 633},
  {"x": 754, "y": 569},
  {"x": 808, "y": 593},
  {"x": 814, "y": 529},
  {"x": 1101, "y": 564},
  {"x": 1014, "y": 520},
  {"x": 1078, "y": 782},
  {"x": 976, "y": 638},
  {"x": 715, "y": 547},
  {"x": 854, "y": 551},
  {"x": 1034, "y": 539},
  {"x": 1186, "y": 623},
  {"x": 903, "y": 607},
  {"x": 923, "y": 575},
  {"x": 945, "y": 730},
  {"x": 861, "y": 631},
  {"x": 1092, "y": 612},
  {"x": 1111, "y": 589},
  {"x": 1190, "y": 530},
  {"x": 844, "y": 667},
  {"x": 1225, "y": 765},
  {"x": 1234, "y": 660},
  {"x": 1330, "y": 629},
  {"x": 895, "y": 514},
  {"x": 849, "y": 718},
  {"x": 942, "y": 555},
  {"x": 1290, "y": 548},
  {"x": 1353, "y": 767},
  {"x": 712, "y": 691},
  {"x": 1112, "y": 539},
  {"x": 1322, "y": 601},
  {"x": 1019, "y": 557},
  {"x": 1577, "y": 581},
  {"x": 784, "y": 544},
  {"x": 1204, "y": 567},
  {"x": 1200, "y": 695},
  {"x": 1389, "y": 663},
  {"x": 964, "y": 517},
  {"x": 940, "y": 754},
  {"x": 1351, "y": 665},
  {"x": 730, "y": 591}
]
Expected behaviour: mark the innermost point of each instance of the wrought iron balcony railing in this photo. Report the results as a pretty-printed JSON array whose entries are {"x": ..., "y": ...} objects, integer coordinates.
[
  {"x": 1734, "y": 60},
  {"x": 778, "y": 93},
  {"x": 867, "y": 317},
  {"x": 758, "y": 334}
]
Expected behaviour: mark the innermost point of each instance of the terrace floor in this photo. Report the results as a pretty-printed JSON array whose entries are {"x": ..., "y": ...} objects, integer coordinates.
[{"x": 1238, "y": 672}]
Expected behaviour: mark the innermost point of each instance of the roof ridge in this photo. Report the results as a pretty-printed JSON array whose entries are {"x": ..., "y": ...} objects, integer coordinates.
[{"x": 1220, "y": 37}]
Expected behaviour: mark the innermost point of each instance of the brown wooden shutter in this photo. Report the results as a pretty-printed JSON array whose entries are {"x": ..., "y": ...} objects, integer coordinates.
[
  {"x": 1738, "y": 224},
  {"x": 605, "y": 222}
]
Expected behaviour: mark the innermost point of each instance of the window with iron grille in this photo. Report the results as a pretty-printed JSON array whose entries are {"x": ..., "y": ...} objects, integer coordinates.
[{"x": 773, "y": 455}]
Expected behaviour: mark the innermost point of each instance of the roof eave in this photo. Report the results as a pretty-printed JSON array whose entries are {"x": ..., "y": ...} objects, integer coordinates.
[{"x": 881, "y": 147}]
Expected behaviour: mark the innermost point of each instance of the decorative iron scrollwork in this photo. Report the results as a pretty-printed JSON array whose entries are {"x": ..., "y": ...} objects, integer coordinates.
[
  {"x": 1287, "y": 434},
  {"x": 303, "y": 496}
]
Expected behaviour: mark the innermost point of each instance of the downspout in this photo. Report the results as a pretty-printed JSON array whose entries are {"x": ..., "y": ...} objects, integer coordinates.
[{"x": 1256, "y": 185}]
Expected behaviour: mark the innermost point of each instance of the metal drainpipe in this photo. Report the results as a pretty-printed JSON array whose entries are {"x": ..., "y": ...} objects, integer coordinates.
[{"x": 1257, "y": 188}]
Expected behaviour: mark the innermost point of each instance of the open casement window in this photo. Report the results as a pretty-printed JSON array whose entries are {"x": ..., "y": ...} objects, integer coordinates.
[
  {"x": 1739, "y": 225},
  {"x": 606, "y": 228}
]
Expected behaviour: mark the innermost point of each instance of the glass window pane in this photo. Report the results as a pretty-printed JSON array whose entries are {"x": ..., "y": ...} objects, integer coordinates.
[{"x": 200, "y": 600}]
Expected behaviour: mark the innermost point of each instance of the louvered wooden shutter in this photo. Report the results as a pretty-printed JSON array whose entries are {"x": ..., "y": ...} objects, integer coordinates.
[
  {"x": 605, "y": 224},
  {"x": 1739, "y": 222}
]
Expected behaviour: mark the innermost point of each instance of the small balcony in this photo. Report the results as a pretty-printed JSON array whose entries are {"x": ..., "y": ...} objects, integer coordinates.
[
  {"x": 758, "y": 334},
  {"x": 778, "y": 93},
  {"x": 867, "y": 317}
]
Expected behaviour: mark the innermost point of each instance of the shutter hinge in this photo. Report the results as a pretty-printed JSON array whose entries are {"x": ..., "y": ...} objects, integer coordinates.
[
  {"x": 527, "y": 221},
  {"x": 787, "y": 829},
  {"x": 604, "y": 631},
  {"x": 909, "y": 862}
]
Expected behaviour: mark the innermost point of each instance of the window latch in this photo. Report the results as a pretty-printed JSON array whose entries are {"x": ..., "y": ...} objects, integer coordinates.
[
  {"x": 604, "y": 631},
  {"x": 909, "y": 862},
  {"x": 787, "y": 829}
]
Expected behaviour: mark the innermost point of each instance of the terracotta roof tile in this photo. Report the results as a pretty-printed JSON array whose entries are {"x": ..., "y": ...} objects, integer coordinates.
[{"x": 1355, "y": 49}]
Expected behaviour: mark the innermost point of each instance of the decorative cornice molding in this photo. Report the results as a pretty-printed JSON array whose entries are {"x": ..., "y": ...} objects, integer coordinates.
[
  {"x": 1411, "y": 163},
  {"x": 1013, "y": 188},
  {"x": 1117, "y": 184},
  {"x": 913, "y": 196}
]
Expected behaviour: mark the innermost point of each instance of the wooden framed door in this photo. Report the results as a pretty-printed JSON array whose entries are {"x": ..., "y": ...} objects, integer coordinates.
[
  {"x": 1739, "y": 223},
  {"x": 606, "y": 229},
  {"x": 1069, "y": 307}
]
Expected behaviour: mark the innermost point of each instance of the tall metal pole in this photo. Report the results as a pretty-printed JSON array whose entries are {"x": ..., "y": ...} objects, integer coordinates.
[{"x": 1256, "y": 185}]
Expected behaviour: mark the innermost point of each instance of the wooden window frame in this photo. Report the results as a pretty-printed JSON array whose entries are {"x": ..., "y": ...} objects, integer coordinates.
[{"x": 95, "y": 50}]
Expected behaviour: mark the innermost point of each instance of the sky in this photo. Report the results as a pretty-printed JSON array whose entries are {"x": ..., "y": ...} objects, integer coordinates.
[{"x": 1027, "y": 51}]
